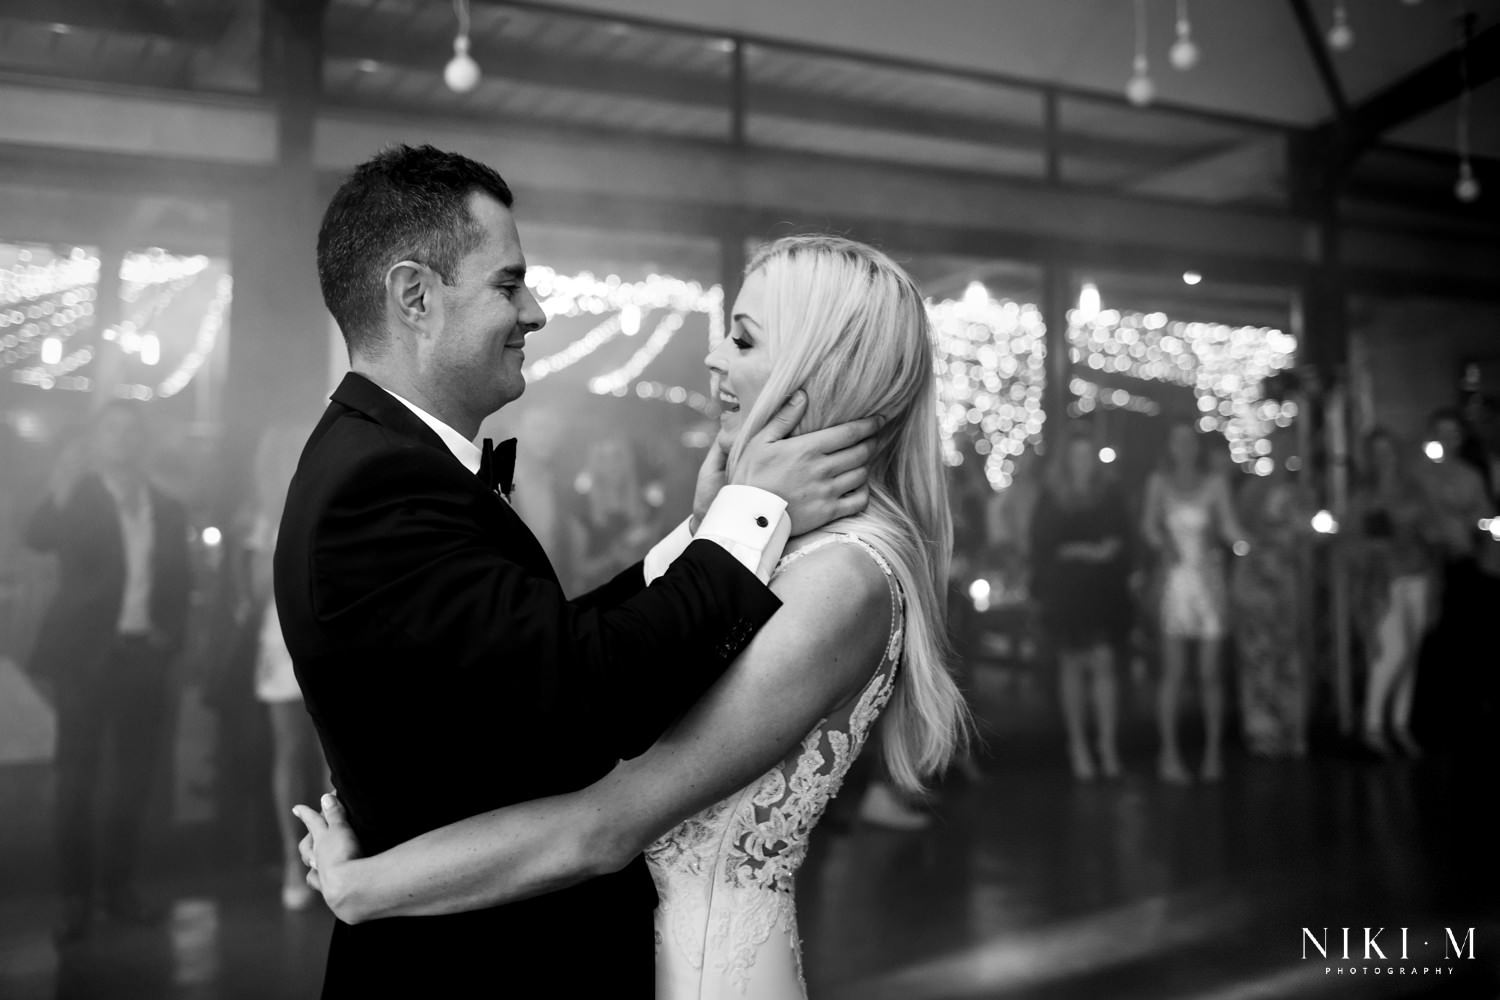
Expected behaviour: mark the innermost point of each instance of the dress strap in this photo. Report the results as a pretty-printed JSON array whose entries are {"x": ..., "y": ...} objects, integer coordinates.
[{"x": 897, "y": 603}]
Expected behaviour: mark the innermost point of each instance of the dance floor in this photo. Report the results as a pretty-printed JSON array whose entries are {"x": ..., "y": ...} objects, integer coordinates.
[{"x": 1028, "y": 885}]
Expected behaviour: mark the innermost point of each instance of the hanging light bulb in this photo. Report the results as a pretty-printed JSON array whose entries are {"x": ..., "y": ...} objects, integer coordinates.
[
  {"x": 462, "y": 72},
  {"x": 1466, "y": 189},
  {"x": 1140, "y": 90},
  {"x": 1184, "y": 53},
  {"x": 1340, "y": 36}
]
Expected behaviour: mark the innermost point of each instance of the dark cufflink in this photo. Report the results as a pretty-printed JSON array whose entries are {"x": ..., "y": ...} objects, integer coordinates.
[{"x": 761, "y": 521}]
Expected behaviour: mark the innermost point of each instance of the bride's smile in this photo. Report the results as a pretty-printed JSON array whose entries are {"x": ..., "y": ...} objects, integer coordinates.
[{"x": 739, "y": 364}]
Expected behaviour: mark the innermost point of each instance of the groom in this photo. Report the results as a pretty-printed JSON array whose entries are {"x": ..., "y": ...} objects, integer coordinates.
[{"x": 444, "y": 668}]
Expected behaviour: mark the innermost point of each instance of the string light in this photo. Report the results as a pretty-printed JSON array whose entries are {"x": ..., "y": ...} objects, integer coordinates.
[
  {"x": 1088, "y": 302},
  {"x": 991, "y": 364},
  {"x": 203, "y": 343},
  {"x": 1140, "y": 90},
  {"x": 676, "y": 394},
  {"x": 1090, "y": 396},
  {"x": 1340, "y": 36},
  {"x": 618, "y": 381},
  {"x": 1224, "y": 367},
  {"x": 46, "y": 299},
  {"x": 462, "y": 72},
  {"x": 1184, "y": 52},
  {"x": 584, "y": 294}
]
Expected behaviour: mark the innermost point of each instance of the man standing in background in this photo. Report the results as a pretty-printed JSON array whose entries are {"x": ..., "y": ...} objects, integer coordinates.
[{"x": 106, "y": 644}]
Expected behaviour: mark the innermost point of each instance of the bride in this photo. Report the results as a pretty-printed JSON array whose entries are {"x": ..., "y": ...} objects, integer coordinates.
[{"x": 724, "y": 802}]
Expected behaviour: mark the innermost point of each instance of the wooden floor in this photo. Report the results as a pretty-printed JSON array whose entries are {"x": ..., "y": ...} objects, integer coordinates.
[{"x": 1027, "y": 885}]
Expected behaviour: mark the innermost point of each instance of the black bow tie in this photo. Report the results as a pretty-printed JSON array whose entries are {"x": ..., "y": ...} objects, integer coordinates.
[{"x": 497, "y": 465}]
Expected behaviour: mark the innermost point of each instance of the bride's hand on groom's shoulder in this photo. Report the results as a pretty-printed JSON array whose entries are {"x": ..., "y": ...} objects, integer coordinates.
[
  {"x": 327, "y": 850},
  {"x": 821, "y": 474}
]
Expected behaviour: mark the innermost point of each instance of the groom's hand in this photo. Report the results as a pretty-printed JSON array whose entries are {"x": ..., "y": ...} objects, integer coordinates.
[{"x": 821, "y": 474}]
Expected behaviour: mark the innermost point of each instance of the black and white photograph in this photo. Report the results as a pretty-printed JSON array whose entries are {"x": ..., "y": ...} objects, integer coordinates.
[{"x": 749, "y": 499}]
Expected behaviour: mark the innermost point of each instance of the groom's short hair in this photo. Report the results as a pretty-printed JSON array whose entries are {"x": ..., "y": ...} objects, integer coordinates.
[{"x": 405, "y": 203}]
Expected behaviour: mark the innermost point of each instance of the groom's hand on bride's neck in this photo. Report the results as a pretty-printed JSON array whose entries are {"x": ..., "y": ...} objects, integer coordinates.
[{"x": 822, "y": 475}]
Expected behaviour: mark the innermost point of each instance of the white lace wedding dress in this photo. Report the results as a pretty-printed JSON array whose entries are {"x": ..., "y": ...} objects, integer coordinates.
[{"x": 726, "y": 926}]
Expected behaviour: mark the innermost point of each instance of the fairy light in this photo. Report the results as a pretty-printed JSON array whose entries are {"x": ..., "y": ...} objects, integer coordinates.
[
  {"x": 46, "y": 299},
  {"x": 1089, "y": 396},
  {"x": 1224, "y": 367},
  {"x": 675, "y": 394},
  {"x": 203, "y": 343},
  {"x": 156, "y": 267},
  {"x": 616, "y": 383},
  {"x": 621, "y": 303},
  {"x": 991, "y": 364}
]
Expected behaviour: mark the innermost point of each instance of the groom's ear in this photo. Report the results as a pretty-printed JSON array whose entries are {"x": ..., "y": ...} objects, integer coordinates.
[{"x": 411, "y": 293}]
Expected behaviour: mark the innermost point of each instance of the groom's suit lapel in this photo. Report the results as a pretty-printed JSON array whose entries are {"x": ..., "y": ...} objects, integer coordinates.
[{"x": 360, "y": 394}]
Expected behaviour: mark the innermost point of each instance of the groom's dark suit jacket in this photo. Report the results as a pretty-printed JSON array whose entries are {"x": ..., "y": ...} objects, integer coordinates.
[{"x": 448, "y": 675}]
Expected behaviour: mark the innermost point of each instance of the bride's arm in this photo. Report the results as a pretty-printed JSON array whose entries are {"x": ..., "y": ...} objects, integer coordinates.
[{"x": 817, "y": 650}]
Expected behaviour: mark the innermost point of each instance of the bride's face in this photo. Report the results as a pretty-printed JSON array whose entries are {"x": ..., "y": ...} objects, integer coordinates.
[{"x": 739, "y": 365}]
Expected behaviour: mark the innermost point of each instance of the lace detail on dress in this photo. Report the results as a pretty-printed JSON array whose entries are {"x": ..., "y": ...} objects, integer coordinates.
[{"x": 726, "y": 877}]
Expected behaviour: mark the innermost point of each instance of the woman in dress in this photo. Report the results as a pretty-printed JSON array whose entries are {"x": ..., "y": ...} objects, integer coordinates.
[
  {"x": 1269, "y": 602},
  {"x": 1396, "y": 569},
  {"x": 1079, "y": 572},
  {"x": 1188, "y": 519},
  {"x": 723, "y": 804}
]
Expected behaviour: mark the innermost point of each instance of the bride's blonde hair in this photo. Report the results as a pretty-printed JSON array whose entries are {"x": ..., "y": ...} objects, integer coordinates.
[{"x": 845, "y": 322}]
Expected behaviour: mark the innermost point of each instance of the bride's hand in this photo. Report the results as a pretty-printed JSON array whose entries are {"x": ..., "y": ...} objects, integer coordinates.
[
  {"x": 711, "y": 476},
  {"x": 327, "y": 849}
]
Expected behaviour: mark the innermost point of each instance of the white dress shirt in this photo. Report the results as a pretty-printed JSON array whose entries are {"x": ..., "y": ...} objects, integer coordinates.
[
  {"x": 466, "y": 451},
  {"x": 139, "y": 535},
  {"x": 749, "y": 523}
]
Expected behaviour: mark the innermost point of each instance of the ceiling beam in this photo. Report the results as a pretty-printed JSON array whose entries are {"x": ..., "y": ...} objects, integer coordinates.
[
  {"x": 1420, "y": 91},
  {"x": 526, "y": 65},
  {"x": 128, "y": 17},
  {"x": 1312, "y": 37}
]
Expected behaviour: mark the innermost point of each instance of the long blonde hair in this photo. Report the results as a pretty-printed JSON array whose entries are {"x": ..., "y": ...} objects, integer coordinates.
[{"x": 845, "y": 322}]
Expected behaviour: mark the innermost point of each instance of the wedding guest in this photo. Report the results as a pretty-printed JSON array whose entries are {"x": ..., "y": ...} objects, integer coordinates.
[
  {"x": 1268, "y": 603},
  {"x": 1395, "y": 572},
  {"x": 1008, "y": 515},
  {"x": 1455, "y": 671},
  {"x": 108, "y": 641},
  {"x": 1079, "y": 560},
  {"x": 1188, "y": 519}
]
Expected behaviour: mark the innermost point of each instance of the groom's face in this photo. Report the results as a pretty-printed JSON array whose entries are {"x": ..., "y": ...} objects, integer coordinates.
[{"x": 487, "y": 313}]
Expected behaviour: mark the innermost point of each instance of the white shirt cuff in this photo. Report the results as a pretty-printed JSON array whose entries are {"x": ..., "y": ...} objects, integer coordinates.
[
  {"x": 665, "y": 552},
  {"x": 749, "y": 523}
]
